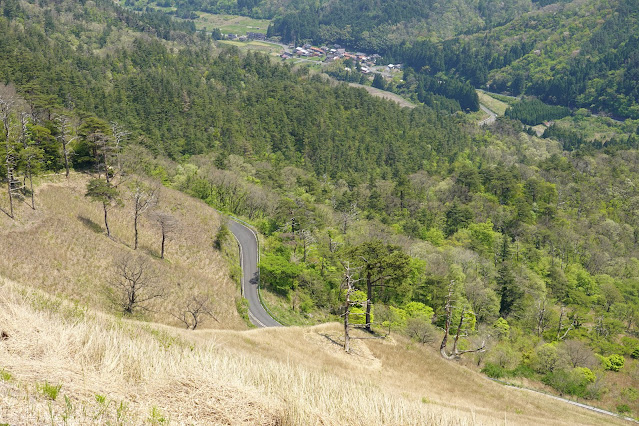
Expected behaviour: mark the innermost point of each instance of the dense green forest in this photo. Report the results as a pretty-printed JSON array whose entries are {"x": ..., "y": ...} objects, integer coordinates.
[
  {"x": 565, "y": 53},
  {"x": 533, "y": 112},
  {"x": 533, "y": 241},
  {"x": 575, "y": 55}
]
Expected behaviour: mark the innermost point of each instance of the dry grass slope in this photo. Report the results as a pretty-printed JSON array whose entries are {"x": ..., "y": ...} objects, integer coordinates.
[
  {"x": 126, "y": 372},
  {"x": 61, "y": 248}
]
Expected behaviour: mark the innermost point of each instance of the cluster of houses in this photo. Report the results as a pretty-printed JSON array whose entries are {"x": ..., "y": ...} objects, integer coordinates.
[
  {"x": 331, "y": 54},
  {"x": 325, "y": 53}
]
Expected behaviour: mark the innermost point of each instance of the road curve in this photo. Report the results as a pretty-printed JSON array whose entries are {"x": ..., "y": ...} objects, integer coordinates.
[
  {"x": 247, "y": 239},
  {"x": 492, "y": 116}
]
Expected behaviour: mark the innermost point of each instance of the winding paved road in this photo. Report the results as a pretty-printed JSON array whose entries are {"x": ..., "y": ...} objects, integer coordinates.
[
  {"x": 247, "y": 240},
  {"x": 489, "y": 120}
]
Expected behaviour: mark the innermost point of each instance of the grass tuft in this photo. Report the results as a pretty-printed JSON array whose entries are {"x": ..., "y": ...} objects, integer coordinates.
[
  {"x": 50, "y": 391},
  {"x": 5, "y": 376}
]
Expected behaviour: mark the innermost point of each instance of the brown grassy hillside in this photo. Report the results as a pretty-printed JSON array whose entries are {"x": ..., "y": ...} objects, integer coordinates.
[
  {"x": 61, "y": 248},
  {"x": 124, "y": 372}
]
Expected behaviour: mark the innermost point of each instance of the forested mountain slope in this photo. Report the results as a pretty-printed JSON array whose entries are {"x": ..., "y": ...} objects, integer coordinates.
[
  {"x": 579, "y": 54},
  {"x": 371, "y": 25},
  {"x": 204, "y": 101}
]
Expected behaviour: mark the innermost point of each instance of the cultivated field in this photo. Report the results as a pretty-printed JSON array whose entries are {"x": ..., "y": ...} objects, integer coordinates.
[{"x": 231, "y": 23}]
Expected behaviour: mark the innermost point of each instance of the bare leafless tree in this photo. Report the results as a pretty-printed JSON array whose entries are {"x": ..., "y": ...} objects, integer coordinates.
[
  {"x": 144, "y": 197},
  {"x": 120, "y": 136},
  {"x": 7, "y": 103},
  {"x": 65, "y": 139},
  {"x": 348, "y": 217},
  {"x": 194, "y": 311},
  {"x": 308, "y": 239},
  {"x": 167, "y": 224},
  {"x": 348, "y": 284},
  {"x": 456, "y": 353},
  {"x": 421, "y": 330},
  {"x": 572, "y": 325},
  {"x": 578, "y": 353},
  {"x": 134, "y": 284},
  {"x": 542, "y": 315}
]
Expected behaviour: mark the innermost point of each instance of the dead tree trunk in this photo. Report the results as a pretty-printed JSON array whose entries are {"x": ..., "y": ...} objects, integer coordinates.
[
  {"x": 167, "y": 224},
  {"x": 448, "y": 310},
  {"x": 369, "y": 297},
  {"x": 347, "y": 313},
  {"x": 65, "y": 141},
  {"x": 106, "y": 220},
  {"x": 5, "y": 115},
  {"x": 349, "y": 285},
  {"x": 31, "y": 186},
  {"x": 10, "y": 195},
  {"x": 456, "y": 353}
]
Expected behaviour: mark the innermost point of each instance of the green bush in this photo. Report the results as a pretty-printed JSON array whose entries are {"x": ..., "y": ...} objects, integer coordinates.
[
  {"x": 523, "y": 371},
  {"x": 494, "y": 371},
  {"x": 501, "y": 328},
  {"x": 623, "y": 408},
  {"x": 5, "y": 376},
  {"x": 586, "y": 373},
  {"x": 614, "y": 362},
  {"x": 631, "y": 394},
  {"x": 278, "y": 273},
  {"x": 635, "y": 353},
  {"x": 574, "y": 382}
]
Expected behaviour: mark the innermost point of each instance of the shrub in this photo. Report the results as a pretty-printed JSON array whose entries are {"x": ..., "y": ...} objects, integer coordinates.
[
  {"x": 419, "y": 310},
  {"x": 421, "y": 330},
  {"x": 278, "y": 273},
  {"x": 222, "y": 234},
  {"x": 493, "y": 370},
  {"x": 502, "y": 328},
  {"x": 574, "y": 382},
  {"x": 635, "y": 353},
  {"x": 504, "y": 355},
  {"x": 523, "y": 371},
  {"x": 616, "y": 362},
  {"x": 623, "y": 408},
  {"x": 546, "y": 358},
  {"x": 586, "y": 373},
  {"x": 631, "y": 394}
]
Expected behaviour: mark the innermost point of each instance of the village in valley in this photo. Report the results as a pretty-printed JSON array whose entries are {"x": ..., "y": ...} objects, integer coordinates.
[{"x": 366, "y": 63}]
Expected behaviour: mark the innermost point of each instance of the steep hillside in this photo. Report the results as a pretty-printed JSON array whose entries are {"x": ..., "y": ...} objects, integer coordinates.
[
  {"x": 577, "y": 54},
  {"x": 62, "y": 364},
  {"x": 61, "y": 248}
]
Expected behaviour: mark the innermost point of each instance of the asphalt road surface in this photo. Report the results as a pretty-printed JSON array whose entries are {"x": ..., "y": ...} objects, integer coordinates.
[
  {"x": 489, "y": 120},
  {"x": 250, "y": 275}
]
